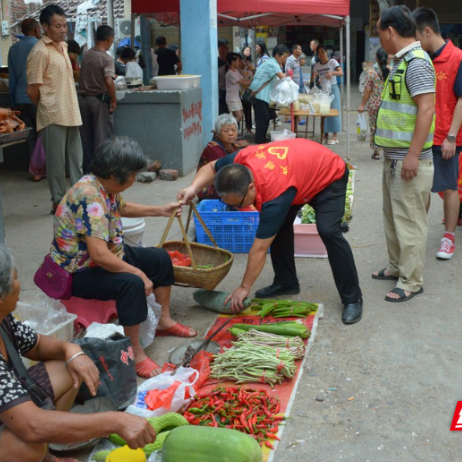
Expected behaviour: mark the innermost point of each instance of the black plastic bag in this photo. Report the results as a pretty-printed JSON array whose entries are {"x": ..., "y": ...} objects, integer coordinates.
[{"x": 115, "y": 361}]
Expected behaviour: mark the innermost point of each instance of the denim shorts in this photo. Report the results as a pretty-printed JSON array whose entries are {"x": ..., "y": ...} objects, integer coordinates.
[{"x": 446, "y": 171}]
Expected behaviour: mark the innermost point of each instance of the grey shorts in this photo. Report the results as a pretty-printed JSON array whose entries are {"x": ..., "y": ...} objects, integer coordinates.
[{"x": 446, "y": 171}]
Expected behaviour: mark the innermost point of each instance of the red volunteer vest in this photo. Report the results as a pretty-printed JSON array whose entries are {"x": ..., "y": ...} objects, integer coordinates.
[
  {"x": 303, "y": 164},
  {"x": 446, "y": 68}
]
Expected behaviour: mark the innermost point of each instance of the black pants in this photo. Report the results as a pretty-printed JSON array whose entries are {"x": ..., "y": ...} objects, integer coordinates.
[
  {"x": 329, "y": 206},
  {"x": 222, "y": 106},
  {"x": 96, "y": 127},
  {"x": 262, "y": 120},
  {"x": 247, "y": 107},
  {"x": 125, "y": 288}
]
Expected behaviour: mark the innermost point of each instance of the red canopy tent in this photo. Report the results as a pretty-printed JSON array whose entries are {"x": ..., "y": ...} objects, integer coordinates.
[{"x": 254, "y": 13}]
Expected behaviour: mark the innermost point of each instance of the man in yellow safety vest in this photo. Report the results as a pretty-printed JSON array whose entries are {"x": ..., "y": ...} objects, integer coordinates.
[{"x": 405, "y": 127}]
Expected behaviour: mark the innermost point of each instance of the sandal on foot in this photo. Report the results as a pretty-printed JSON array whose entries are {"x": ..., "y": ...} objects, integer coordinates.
[
  {"x": 332, "y": 141},
  {"x": 177, "y": 330},
  {"x": 375, "y": 156},
  {"x": 145, "y": 368},
  {"x": 382, "y": 277},
  {"x": 402, "y": 295}
]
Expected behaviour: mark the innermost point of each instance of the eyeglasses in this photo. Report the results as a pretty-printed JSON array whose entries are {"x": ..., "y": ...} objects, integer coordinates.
[{"x": 236, "y": 206}]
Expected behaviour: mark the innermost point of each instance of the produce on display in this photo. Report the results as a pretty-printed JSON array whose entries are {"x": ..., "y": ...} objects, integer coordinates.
[
  {"x": 162, "y": 425},
  {"x": 283, "y": 308},
  {"x": 247, "y": 364},
  {"x": 214, "y": 300},
  {"x": 284, "y": 328},
  {"x": 308, "y": 214},
  {"x": 294, "y": 345},
  {"x": 206, "y": 444}
]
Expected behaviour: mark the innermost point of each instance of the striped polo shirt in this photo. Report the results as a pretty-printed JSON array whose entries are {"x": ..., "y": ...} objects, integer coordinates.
[
  {"x": 49, "y": 66},
  {"x": 420, "y": 79}
]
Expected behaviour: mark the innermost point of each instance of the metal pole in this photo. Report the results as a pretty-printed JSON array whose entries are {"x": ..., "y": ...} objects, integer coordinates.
[
  {"x": 347, "y": 22},
  {"x": 110, "y": 21},
  {"x": 342, "y": 79},
  {"x": 132, "y": 32}
]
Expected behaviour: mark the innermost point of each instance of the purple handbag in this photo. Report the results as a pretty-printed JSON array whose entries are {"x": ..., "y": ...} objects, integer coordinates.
[{"x": 55, "y": 281}]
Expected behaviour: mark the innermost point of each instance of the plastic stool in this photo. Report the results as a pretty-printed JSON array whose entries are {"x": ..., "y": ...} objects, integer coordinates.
[{"x": 89, "y": 311}]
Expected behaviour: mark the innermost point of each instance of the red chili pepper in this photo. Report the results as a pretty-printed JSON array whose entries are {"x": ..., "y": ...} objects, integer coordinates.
[
  {"x": 269, "y": 445},
  {"x": 278, "y": 417},
  {"x": 243, "y": 422},
  {"x": 195, "y": 422},
  {"x": 273, "y": 436},
  {"x": 214, "y": 421}
]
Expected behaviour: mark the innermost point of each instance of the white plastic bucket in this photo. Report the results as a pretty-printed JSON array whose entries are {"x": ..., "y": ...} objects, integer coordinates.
[
  {"x": 282, "y": 135},
  {"x": 133, "y": 231}
]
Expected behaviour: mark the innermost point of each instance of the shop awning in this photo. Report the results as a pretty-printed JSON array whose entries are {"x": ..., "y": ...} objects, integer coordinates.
[{"x": 254, "y": 13}]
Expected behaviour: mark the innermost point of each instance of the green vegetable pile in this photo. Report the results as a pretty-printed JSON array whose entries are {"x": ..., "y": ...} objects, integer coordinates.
[
  {"x": 283, "y": 308},
  {"x": 309, "y": 215}
]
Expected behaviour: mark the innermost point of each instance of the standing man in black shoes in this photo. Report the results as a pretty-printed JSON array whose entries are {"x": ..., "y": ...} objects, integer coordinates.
[{"x": 278, "y": 179}]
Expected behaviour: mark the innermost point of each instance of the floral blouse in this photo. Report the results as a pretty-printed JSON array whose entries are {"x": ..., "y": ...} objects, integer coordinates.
[
  {"x": 374, "y": 81},
  {"x": 86, "y": 210}
]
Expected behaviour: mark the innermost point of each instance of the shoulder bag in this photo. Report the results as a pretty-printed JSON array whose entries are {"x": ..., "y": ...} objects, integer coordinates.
[
  {"x": 38, "y": 396},
  {"x": 55, "y": 281},
  {"x": 249, "y": 96}
]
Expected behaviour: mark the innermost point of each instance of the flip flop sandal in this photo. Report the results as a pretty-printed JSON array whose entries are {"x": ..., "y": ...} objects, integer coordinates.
[
  {"x": 333, "y": 141},
  {"x": 381, "y": 276},
  {"x": 145, "y": 368},
  {"x": 177, "y": 330},
  {"x": 375, "y": 156},
  {"x": 402, "y": 295}
]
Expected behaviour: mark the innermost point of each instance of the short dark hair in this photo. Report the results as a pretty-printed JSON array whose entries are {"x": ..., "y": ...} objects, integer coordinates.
[
  {"x": 321, "y": 47},
  {"x": 161, "y": 40},
  {"x": 222, "y": 41},
  {"x": 104, "y": 33},
  {"x": 280, "y": 50},
  {"x": 119, "y": 157},
  {"x": 73, "y": 47},
  {"x": 230, "y": 57},
  {"x": 28, "y": 25},
  {"x": 400, "y": 18},
  {"x": 426, "y": 17},
  {"x": 295, "y": 45},
  {"x": 233, "y": 179},
  {"x": 119, "y": 51},
  {"x": 48, "y": 12},
  {"x": 128, "y": 54}
]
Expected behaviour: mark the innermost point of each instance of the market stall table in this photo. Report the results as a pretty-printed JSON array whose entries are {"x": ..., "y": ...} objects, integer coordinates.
[{"x": 306, "y": 113}]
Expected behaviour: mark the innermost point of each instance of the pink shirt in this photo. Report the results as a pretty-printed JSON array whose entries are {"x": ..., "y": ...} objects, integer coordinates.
[{"x": 232, "y": 86}]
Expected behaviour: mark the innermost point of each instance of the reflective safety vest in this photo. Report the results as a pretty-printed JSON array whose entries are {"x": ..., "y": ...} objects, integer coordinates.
[{"x": 398, "y": 112}]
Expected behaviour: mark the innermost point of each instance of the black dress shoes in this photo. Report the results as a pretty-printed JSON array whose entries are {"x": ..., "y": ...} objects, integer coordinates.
[
  {"x": 352, "y": 312},
  {"x": 275, "y": 290}
]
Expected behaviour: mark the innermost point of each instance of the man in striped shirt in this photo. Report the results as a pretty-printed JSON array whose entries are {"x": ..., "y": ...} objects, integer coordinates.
[
  {"x": 405, "y": 127},
  {"x": 51, "y": 87}
]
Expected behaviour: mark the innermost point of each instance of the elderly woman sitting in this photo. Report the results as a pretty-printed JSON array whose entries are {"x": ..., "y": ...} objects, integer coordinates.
[
  {"x": 222, "y": 144},
  {"x": 26, "y": 429},
  {"x": 89, "y": 242}
]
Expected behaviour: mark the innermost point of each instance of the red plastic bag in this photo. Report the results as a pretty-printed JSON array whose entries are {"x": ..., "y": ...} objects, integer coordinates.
[
  {"x": 178, "y": 258},
  {"x": 201, "y": 362},
  {"x": 162, "y": 398},
  {"x": 37, "y": 164}
]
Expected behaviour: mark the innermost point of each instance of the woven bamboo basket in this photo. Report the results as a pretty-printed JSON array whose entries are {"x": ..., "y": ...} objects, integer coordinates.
[{"x": 201, "y": 255}]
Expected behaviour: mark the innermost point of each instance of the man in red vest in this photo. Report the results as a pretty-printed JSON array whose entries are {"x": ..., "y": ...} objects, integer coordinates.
[
  {"x": 447, "y": 143},
  {"x": 278, "y": 179}
]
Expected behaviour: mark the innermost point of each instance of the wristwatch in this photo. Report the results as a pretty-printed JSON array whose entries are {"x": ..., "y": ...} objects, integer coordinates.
[{"x": 451, "y": 138}]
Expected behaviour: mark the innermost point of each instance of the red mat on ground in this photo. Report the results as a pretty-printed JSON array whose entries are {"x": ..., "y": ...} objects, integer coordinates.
[{"x": 284, "y": 391}]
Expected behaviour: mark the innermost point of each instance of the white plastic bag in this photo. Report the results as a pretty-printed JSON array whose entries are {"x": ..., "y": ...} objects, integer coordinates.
[
  {"x": 361, "y": 126},
  {"x": 148, "y": 327},
  {"x": 285, "y": 92},
  {"x": 187, "y": 377}
]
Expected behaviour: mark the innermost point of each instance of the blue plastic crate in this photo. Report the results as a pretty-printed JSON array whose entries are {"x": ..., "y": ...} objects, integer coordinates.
[{"x": 234, "y": 231}]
